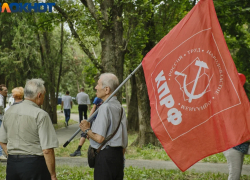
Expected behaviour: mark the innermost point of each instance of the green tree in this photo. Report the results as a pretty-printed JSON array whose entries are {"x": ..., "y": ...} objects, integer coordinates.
[
  {"x": 234, "y": 19},
  {"x": 32, "y": 49},
  {"x": 105, "y": 20},
  {"x": 79, "y": 72}
]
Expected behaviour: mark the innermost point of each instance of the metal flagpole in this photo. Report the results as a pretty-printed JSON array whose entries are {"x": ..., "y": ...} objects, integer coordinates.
[{"x": 93, "y": 115}]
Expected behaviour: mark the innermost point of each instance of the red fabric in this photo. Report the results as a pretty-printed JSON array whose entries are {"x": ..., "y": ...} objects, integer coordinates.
[
  {"x": 242, "y": 78},
  {"x": 198, "y": 105}
]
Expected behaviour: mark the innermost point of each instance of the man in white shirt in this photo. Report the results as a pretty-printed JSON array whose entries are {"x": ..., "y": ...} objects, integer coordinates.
[
  {"x": 3, "y": 93},
  {"x": 83, "y": 103},
  {"x": 66, "y": 106}
]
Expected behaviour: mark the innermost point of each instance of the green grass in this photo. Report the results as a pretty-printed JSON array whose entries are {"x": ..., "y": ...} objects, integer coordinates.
[
  {"x": 2, "y": 172},
  {"x": 133, "y": 173},
  {"x": 151, "y": 152},
  {"x": 72, "y": 146}
]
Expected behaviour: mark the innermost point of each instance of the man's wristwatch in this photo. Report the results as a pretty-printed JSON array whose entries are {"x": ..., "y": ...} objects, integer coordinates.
[{"x": 86, "y": 131}]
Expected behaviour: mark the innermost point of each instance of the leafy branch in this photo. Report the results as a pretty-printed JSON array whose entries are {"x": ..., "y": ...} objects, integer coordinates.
[{"x": 78, "y": 39}]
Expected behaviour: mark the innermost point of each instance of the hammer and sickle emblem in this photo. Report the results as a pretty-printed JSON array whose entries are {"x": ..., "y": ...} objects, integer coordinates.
[{"x": 191, "y": 95}]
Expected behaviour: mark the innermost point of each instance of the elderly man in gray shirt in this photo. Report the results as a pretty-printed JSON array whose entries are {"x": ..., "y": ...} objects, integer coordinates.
[
  {"x": 109, "y": 161},
  {"x": 28, "y": 137}
]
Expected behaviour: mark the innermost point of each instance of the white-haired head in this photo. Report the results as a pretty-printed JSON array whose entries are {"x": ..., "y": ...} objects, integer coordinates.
[
  {"x": 109, "y": 80},
  {"x": 33, "y": 87}
]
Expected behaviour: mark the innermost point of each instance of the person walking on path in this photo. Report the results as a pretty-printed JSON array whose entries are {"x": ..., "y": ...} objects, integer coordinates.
[
  {"x": 30, "y": 136},
  {"x": 109, "y": 162},
  {"x": 97, "y": 102},
  {"x": 3, "y": 93},
  {"x": 66, "y": 106},
  {"x": 83, "y": 102}
]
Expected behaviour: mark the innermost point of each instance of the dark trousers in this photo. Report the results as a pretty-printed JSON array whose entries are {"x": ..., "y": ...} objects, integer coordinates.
[
  {"x": 67, "y": 115},
  {"x": 31, "y": 168},
  {"x": 109, "y": 164},
  {"x": 82, "y": 108}
]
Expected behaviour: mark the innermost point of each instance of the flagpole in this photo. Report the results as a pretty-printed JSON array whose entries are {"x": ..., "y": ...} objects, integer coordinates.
[{"x": 93, "y": 115}]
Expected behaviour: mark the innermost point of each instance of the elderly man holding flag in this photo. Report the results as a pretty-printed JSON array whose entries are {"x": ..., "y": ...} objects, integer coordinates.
[{"x": 110, "y": 121}]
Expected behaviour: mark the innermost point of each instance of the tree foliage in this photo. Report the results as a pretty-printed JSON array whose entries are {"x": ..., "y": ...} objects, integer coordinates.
[
  {"x": 234, "y": 19},
  {"x": 105, "y": 36}
]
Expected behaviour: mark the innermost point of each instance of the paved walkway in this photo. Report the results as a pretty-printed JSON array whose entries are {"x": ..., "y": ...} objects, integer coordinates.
[{"x": 65, "y": 133}]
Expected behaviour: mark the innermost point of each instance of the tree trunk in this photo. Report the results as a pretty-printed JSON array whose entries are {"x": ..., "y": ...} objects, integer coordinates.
[
  {"x": 112, "y": 46},
  {"x": 61, "y": 62},
  {"x": 50, "y": 78},
  {"x": 53, "y": 98},
  {"x": 133, "y": 119},
  {"x": 46, "y": 103},
  {"x": 146, "y": 134},
  {"x": 2, "y": 78}
]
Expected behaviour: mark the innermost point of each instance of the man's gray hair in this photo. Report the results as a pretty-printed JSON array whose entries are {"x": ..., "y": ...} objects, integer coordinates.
[
  {"x": 33, "y": 87},
  {"x": 109, "y": 80}
]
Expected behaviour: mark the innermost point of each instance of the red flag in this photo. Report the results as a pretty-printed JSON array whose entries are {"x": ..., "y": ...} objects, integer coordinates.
[{"x": 198, "y": 105}]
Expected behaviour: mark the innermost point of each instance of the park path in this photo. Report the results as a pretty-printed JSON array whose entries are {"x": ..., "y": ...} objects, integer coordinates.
[{"x": 65, "y": 134}]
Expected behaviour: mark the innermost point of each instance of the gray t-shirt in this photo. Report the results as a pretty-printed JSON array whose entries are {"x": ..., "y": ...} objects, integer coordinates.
[
  {"x": 66, "y": 102},
  {"x": 106, "y": 123},
  {"x": 82, "y": 98},
  {"x": 27, "y": 130}
]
